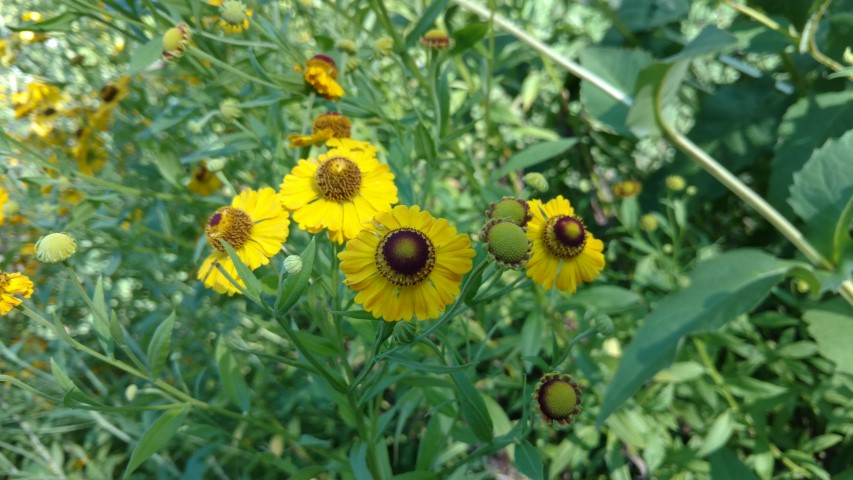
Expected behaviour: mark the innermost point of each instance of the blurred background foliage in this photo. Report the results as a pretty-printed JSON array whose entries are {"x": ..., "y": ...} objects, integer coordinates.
[{"x": 113, "y": 151}]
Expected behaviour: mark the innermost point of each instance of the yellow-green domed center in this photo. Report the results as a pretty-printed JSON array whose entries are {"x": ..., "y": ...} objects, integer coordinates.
[
  {"x": 511, "y": 209},
  {"x": 230, "y": 224},
  {"x": 507, "y": 242},
  {"x": 558, "y": 399},
  {"x": 339, "y": 179}
]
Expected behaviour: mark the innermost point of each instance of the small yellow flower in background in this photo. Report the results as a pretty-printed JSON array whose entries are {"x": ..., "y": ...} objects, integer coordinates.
[
  {"x": 7, "y": 56},
  {"x": 37, "y": 97},
  {"x": 118, "y": 44},
  {"x": 627, "y": 189},
  {"x": 675, "y": 183},
  {"x": 557, "y": 398},
  {"x": 12, "y": 286},
  {"x": 55, "y": 248},
  {"x": 383, "y": 46},
  {"x": 406, "y": 264},
  {"x": 255, "y": 226},
  {"x": 321, "y": 72},
  {"x": 326, "y": 126},
  {"x": 436, "y": 39},
  {"x": 31, "y": 17},
  {"x": 233, "y": 15},
  {"x": 89, "y": 151},
  {"x": 113, "y": 93},
  {"x": 175, "y": 42},
  {"x": 4, "y": 199},
  {"x": 564, "y": 252},
  {"x": 340, "y": 190},
  {"x": 202, "y": 181},
  {"x": 648, "y": 223}
]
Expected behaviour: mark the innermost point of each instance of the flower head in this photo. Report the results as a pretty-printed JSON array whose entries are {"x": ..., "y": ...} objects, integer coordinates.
[
  {"x": 536, "y": 181},
  {"x": 4, "y": 198},
  {"x": 340, "y": 190},
  {"x": 12, "y": 286},
  {"x": 321, "y": 72},
  {"x": 326, "y": 126},
  {"x": 233, "y": 16},
  {"x": 648, "y": 223},
  {"x": 55, "y": 248},
  {"x": 202, "y": 181},
  {"x": 627, "y": 189},
  {"x": 557, "y": 398},
  {"x": 230, "y": 109},
  {"x": 506, "y": 242},
  {"x": 347, "y": 45},
  {"x": 564, "y": 252},
  {"x": 406, "y": 264},
  {"x": 383, "y": 46},
  {"x": 37, "y": 97},
  {"x": 254, "y": 225},
  {"x": 436, "y": 39},
  {"x": 675, "y": 183},
  {"x": 175, "y": 42},
  {"x": 513, "y": 209}
]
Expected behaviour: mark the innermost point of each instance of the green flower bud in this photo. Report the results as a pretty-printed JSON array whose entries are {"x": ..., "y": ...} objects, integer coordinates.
[
  {"x": 536, "y": 181},
  {"x": 55, "y": 247},
  {"x": 603, "y": 324},
  {"x": 348, "y": 46},
  {"x": 506, "y": 242},
  {"x": 216, "y": 164},
  {"x": 404, "y": 332},
  {"x": 229, "y": 109},
  {"x": 383, "y": 47},
  {"x": 648, "y": 223},
  {"x": 675, "y": 183},
  {"x": 515, "y": 210},
  {"x": 293, "y": 264}
]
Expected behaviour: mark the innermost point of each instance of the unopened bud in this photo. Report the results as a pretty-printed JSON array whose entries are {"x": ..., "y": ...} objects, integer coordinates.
[
  {"x": 293, "y": 264},
  {"x": 55, "y": 248}
]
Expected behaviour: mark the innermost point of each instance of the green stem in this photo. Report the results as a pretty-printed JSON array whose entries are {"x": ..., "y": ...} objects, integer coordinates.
[
  {"x": 588, "y": 333},
  {"x": 201, "y": 54},
  {"x": 335, "y": 383}
]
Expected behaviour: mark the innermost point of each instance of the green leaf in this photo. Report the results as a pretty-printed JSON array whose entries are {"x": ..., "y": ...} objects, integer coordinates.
[
  {"x": 426, "y": 21},
  {"x": 528, "y": 461},
  {"x": 534, "y": 155},
  {"x": 59, "y": 23},
  {"x": 145, "y": 55},
  {"x": 431, "y": 443},
  {"x": 645, "y": 15},
  {"x": 232, "y": 379},
  {"x": 621, "y": 68},
  {"x": 720, "y": 289},
  {"x": 725, "y": 465},
  {"x": 680, "y": 372},
  {"x": 830, "y": 326},
  {"x": 468, "y": 36},
  {"x": 822, "y": 442},
  {"x": 607, "y": 299},
  {"x": 473, "y": 407},
  {"x": 807, "y": 125},
  {"x": 169, "y": 167},
  {"x": 710, "y": 40},
  {"x": 156, "y": 437},
  {"x": 424, "y": 145},
  {"x": 358, "y": 461},
  {"x": 798, "y": 350},
  {"x": 400, "y": 359},
  {"x": 821, "y": 193},
  {"x": 657, "y": 89},
  {"x": 718, "y": 434},
  {"x": 253, "y": 285},
  {"x": 158, "y": 347},
  {"x": 73, "y": 394},
  {"x": 100, "y": 317},
  {"x": 290, "y": 290}
]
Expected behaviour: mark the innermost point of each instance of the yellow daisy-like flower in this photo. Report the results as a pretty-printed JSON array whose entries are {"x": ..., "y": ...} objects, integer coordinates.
[
  {"x": 340, "y": 190},
  {"x": 233, "y": 15},
  {"x": 113, "y": 93},
  {"x": 12, "y": 286},
  {"x": 4, "y": 198},
  {"x": 37, "y": 97},
  {"x": 321, "y": 72},
  {"x": 406, "y": 264},
  {"x": 255, "y": 226},
  {"x": 627, "y": 189},
  {"x": 564, "y": 252},
  {"x": 326, "y": 126},
  {"x": 89, "y": 151},
  {"x": 202, "y": 181}
]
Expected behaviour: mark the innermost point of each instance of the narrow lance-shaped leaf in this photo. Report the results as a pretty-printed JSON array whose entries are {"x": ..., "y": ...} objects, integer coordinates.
[
  {"x": 158, "y": 347},
  {"x": 156, "y": 437}
]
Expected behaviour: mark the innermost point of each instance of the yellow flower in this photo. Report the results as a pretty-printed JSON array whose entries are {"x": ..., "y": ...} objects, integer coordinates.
[
  {"x": 113, "y": 93},
  {"x": 12, "y": 284},
  {"x": 89, "y": 152},
  {"x": 321, "y": 72},
  {"x": 406, "y": 264},
  {"x": 340, "y": 190},
  {"x": 627, "y": 189},
  {"x": 233, "y": 15},
  {"x": 255, "y": 226},
  {"x": 326, "y": 126},
  {"x": 202, "y": 181},
  {"x": 37, "y": 97},
  {"x": 4, "y": 197},
  {"x": 564, "y": 252},
  {"x": 436, "y": 39}
]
